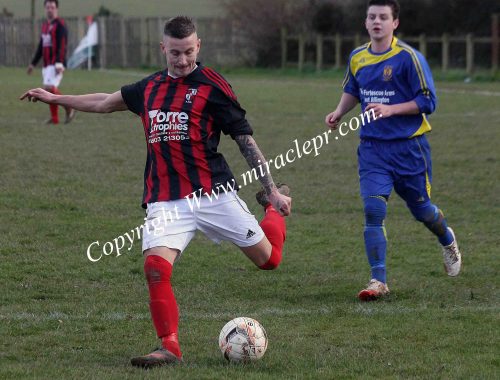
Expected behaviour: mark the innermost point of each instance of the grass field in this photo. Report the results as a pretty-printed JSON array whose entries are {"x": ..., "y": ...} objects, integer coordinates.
[
  {"x": 63, "y": 187},
  {"x": 153, "y": 8}
]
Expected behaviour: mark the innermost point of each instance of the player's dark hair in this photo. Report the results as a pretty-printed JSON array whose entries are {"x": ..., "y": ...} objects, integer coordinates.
[
  {"x": 179, "y": 27},
  {"x": 51, "y": 1},
  {"x": 391, "y": 3}
]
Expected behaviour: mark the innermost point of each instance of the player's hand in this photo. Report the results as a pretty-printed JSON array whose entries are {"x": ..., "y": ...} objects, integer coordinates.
[
  {"x": 280, "y": 202},
  {"x": 30, "y": 69},
  {"x": 381, "y": 110},
  {"x": 37, "y": 94},
  {"x": 59, "y": 68},
  {"x": 332, "y": 120}
]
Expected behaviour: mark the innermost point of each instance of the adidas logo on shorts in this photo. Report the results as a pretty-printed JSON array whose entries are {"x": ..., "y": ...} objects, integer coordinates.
[{"x": 250, "y": 233}]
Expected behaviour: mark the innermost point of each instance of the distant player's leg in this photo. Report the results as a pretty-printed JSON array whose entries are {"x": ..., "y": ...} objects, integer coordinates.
[
  {"x": 54, "y": 108},
  {"x": 375, "y": 185},
  {"x": 416, "y": 191},
  {"x": 70, "y": 112},
  {"x": 51, "y": 81},
  {"x": 375, "y": 209}
]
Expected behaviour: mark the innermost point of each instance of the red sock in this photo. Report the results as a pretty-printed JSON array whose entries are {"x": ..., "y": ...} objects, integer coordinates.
[
  {"x": 162, "y": 305},
  {"x": 274, "y": 228},
  {"x": 54, "y": 109}
]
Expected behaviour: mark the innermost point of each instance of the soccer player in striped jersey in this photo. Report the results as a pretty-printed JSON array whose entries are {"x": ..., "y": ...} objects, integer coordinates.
[
  {"x": 392, "y": 79},
  {"x": 52, "y": 48},
  {"x": 184, "y": 109}
]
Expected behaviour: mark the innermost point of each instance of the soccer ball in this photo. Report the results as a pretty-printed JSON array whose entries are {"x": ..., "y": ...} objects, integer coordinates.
[{"x": 243, "y": 340}]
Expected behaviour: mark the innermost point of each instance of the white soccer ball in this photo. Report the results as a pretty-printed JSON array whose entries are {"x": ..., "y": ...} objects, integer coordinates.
[{"x": 242, "y": 340}]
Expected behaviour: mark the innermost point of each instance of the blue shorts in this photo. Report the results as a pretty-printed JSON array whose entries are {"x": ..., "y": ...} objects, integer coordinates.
[{"x": 404, "y": 165}]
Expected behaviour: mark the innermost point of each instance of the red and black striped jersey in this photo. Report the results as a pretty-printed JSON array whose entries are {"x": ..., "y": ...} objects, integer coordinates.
[
  {"x": 53, "y": 41},
  {"x": 183, "y": 119}
]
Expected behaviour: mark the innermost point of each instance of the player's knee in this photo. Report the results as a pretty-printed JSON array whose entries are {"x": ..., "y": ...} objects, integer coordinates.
[
  {"x": 157, "y": 269},
  {"x": 274, "y": 260},
  {"x": 432, "y": 217},
  {"x": 270, "y": 265},
  {"x": 375, "y": 208},
  {"x": 426, "y": 214}
]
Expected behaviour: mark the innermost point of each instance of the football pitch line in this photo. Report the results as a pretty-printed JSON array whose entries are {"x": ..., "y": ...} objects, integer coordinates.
[
  {"x": 466, "y": 114},
  {"x": 276, "y": 312},
  {"x": 455, "y": 91}
]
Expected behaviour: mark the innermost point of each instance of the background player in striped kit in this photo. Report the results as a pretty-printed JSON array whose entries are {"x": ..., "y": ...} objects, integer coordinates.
[
  {"x": 394, "y": 80},
  {"x": 184, "y": 109},
  {"x": 52, "y": 47}
]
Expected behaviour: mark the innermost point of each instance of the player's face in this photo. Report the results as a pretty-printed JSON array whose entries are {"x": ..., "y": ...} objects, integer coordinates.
[
  {"x": 50, "y": 10},
  {"x": 181, "y": 54},
  {"x": 379, "y": 22}
]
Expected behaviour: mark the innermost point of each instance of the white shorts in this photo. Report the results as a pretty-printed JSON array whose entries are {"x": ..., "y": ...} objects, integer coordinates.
[
  {"x": 173, "y": 224},
  {"x": 50, "y": 78}
]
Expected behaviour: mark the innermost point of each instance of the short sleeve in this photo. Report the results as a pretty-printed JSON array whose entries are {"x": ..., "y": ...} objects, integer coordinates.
[
  {"x": 350, "y": 84},
  {"x": 229, "y": 116},
  {"x": 133, "y": 96}
]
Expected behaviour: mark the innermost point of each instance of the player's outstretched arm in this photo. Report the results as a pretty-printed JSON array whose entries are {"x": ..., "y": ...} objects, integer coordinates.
[
  {"x": 347, "y": 103},
  {"x": 255, "y": 158},
  {"x": 98, "y": 103}
]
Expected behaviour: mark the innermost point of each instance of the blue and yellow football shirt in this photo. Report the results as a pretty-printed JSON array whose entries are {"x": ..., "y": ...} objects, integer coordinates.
[{"x": 398, "y": 75}]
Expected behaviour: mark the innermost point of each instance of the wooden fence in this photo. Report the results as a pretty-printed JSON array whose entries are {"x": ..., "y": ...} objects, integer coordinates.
[
  {"x": 311, "y": 49},
  {"x": 134, "y": 42},
  {"x": 125, "y": 42}
]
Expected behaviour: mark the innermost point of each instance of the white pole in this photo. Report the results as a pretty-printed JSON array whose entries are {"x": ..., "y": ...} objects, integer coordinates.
[
  {"x": 89, "y": 52},
  {"x": 89, "y": 58}
]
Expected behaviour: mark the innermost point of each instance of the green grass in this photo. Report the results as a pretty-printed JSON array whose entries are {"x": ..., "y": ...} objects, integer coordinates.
[
  {"x": 151, "y": 8},
  {"x": 63, "y": 187}
]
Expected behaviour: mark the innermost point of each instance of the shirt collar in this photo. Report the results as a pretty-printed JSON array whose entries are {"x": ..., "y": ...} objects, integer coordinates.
[{"x": 174, "y": 77}]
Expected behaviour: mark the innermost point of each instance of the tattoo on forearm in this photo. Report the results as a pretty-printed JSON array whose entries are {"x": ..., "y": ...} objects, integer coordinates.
[{"x": 255, "y": 159}]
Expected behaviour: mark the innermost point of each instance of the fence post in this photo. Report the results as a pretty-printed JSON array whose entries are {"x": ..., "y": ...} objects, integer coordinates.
[
  {"x": 302, "y": 45},
  {"x": 357, "y": 40},
  {"x": 319, "y": 52},
  {"x": 284, "y": 48},
  {"x": 445, "y": 52},
  {"x": 80, "y": 22},
  {"x": 469, "y": 47},
  {"x": 102, "y": 42},
  {"x": 34, "y": 33},
  {"x": 142, "y": 41},
  {"x": 494, "y": 42},
  {"x": 159, "y": 33},
  {"x": 338, "y": 51},
  {"x": 123, "y": 42},
  {"x": 422, "y": 44},
  {"x": 15, "y": 35},
  {"x": 151, "y": 52}
]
